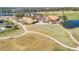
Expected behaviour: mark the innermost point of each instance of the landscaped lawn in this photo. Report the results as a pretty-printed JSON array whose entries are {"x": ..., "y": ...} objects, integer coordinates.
[
  {"x": 54, "y": 31},
  {"x": 10, "y": 32},
  {"x": 31, "y": 42},
  {"x": 7, "y": 32}
]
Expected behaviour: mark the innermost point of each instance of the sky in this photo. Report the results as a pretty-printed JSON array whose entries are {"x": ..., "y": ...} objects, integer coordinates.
[{"x": 39, "y": 3}]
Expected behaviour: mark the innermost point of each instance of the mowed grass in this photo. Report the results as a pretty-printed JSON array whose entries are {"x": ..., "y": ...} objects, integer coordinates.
[
  {"x": 70, "y": 14},
  {"x": 54, "y": 31},
  {"x": 30, "y": 42},
  {"x": 75, "y": 33}
]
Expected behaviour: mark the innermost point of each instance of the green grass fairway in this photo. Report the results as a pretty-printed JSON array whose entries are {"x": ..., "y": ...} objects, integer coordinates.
[
  {"x": 75, "y": 33},
  {"x": 30, "y": 42},
  {"x": 53, "y": 31}
]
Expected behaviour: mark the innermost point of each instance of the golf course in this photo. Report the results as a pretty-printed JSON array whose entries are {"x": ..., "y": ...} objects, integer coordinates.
[{"x": 41, "y": 37}]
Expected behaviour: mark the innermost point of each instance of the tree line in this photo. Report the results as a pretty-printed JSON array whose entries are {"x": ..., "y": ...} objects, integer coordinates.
[{"x": 37, "y": 9}]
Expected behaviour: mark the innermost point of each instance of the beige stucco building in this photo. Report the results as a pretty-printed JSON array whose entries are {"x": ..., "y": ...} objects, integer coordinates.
[
  {"x": 52, "y": 18},
  {"x": 27, "y": 20}
]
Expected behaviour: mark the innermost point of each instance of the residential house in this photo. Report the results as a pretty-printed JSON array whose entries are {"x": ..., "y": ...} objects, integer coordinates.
[
  {"x": 27, "y": 20},
  {"x": 52, "y": 19}
]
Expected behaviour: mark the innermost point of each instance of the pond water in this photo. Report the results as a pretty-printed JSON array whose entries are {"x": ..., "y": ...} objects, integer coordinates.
[{"x": 71, "y": 23}]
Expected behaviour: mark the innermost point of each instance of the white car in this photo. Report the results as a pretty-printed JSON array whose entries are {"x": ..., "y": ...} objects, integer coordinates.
[{"x": 2, "y": 29}]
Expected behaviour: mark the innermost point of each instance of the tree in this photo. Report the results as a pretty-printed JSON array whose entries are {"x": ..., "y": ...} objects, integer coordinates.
[
  {"x": 14, "y": 26},
  {"x": 64, "y": 17},
  {"x": 19, "y": 15},
  {"x": 8, "y": 22}
]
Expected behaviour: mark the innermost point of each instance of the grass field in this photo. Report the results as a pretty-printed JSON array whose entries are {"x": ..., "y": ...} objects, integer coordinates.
[
  {"x": 75, "y": 33},
  {"x": 53, "y": 31},
  {"x": 30, "y": 42},
  {"x": 69, "y": 14}
]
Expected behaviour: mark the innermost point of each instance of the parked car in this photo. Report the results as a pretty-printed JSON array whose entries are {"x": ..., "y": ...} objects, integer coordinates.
[
  {"x": 2, "y": 29},
  {"x": 1, "y": 21},
  {"x": 8, "y": 26}
]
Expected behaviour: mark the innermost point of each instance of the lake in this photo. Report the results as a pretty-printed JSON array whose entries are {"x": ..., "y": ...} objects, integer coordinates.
[{"x": 71, "y": 23}]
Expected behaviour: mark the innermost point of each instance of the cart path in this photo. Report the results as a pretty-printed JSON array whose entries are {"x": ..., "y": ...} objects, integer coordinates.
[
  {"x": 26, "y": 32},
  {"x": 68, "y": 34},
  {"x": 64, "y": 45}
]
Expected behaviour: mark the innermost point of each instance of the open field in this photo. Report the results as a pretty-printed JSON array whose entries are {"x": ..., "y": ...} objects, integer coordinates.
[
  {"x": 69, "y": 14},
  {"x": 53, "y": 31},
  {"x": 31, "y": 42}
]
